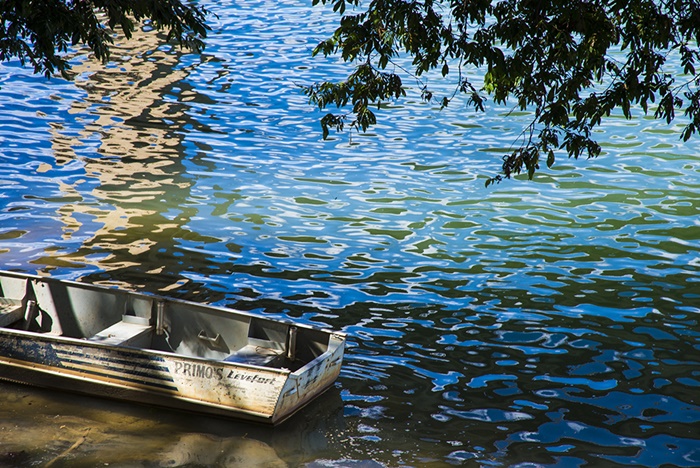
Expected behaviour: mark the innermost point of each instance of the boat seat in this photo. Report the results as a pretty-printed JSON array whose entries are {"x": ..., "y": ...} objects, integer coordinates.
[
  {"x": 11, "y": 311},
  {"x": 258, "y": 352},
  {"x": 130, "y": 331}
]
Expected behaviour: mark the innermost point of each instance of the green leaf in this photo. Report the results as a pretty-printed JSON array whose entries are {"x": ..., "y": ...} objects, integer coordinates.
[{"x": 550, "y": 158}]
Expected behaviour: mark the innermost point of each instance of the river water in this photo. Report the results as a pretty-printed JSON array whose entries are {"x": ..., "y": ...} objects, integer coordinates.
[{"x": 551, "y": 322}]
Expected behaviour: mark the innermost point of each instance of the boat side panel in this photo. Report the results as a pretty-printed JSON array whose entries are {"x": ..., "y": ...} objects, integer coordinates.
[
  {"x": 229, "y": 388},
  {"x": 253, "y": 389},
  {"x": 129, "y": 394}
]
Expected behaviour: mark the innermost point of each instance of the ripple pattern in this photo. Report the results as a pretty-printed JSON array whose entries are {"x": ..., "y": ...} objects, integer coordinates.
[{"x": 543, "y": 323}]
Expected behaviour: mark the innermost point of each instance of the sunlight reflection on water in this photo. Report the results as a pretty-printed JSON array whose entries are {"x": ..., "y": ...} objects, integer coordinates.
[{"x": 552, "y": 321}]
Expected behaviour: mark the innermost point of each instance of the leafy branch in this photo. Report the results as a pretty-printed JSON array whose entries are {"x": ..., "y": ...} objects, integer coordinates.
[
  {"x": 39, "y": 32},
  {"x": 572, "y": 63}
]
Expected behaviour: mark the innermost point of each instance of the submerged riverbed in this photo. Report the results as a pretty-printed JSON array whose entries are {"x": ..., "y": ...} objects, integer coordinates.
[{"x": 551, "y": 322}]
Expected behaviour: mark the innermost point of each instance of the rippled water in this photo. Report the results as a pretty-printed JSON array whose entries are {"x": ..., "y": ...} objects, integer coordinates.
[{"x": 552, "y": 322}]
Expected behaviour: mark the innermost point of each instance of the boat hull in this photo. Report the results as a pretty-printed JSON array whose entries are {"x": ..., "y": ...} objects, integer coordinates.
[{"x": 211, "y": 386}]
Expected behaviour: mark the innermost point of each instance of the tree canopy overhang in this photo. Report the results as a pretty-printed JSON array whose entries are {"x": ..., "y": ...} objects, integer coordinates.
[
  {"x": 569, "y": 62},
  {"x": 39, "y": 32}
]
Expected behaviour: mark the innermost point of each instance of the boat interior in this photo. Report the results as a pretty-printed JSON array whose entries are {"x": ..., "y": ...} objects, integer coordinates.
[{"x": 117, "y": 318}]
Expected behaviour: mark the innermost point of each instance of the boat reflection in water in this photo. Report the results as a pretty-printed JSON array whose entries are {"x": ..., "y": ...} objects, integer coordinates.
[{"x": 72, "y": 430}]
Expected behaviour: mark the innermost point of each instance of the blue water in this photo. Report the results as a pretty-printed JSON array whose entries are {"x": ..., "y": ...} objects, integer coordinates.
[{"x": 551, "y": 322}]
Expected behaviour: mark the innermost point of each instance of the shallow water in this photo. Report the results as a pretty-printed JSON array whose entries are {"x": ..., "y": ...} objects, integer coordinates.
[{"x": 552, "y": 322}]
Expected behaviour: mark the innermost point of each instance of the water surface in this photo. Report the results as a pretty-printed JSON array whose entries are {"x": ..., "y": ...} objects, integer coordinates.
[{"x": 543, "y": 323}]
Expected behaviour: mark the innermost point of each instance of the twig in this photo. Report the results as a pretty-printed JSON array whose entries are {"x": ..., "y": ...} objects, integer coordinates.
[{"x": 77, "y": 444}]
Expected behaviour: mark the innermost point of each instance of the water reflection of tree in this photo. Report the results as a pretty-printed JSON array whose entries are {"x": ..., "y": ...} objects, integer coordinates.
[{"x": 136, "y": 111}]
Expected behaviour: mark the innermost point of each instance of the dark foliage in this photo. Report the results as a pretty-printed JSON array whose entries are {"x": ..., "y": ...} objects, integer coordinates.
[
  {"x": 39, "y": 32},
  {"x": 570, "y": 62}
]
